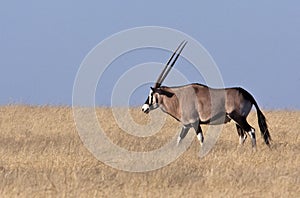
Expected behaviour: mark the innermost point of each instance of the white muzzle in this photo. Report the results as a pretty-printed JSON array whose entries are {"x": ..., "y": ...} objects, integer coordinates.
[{"x": 146, "y": 108}]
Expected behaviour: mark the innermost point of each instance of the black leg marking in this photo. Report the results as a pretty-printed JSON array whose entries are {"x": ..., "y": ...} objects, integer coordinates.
[
  {"x": 242, "y": 122},
  {"x": 182, "y": 134},
  {"x": 253, "y": 138},
  {"x": 241, "y": 133},
  {"x": 199, "y": 133}
]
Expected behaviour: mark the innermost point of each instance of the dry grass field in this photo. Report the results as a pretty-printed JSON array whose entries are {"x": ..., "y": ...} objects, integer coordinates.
[{"x": 43, "y": 156}]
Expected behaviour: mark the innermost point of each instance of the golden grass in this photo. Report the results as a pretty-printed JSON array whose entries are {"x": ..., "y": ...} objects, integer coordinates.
[{"x": 42, "y": 155}]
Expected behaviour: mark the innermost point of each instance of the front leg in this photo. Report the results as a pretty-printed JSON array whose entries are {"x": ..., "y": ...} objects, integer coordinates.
[
  {"x": 199, "y": 133},
  {"x": 183, "y": 133}
]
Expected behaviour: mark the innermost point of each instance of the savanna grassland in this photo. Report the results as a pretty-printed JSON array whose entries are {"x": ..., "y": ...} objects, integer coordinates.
[{"x": 42, "y": 155}]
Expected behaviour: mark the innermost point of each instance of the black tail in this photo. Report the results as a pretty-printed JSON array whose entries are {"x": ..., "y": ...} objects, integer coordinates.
[
  {"x": 261, "y": 118},
  {"x": 263, "y": 125}
]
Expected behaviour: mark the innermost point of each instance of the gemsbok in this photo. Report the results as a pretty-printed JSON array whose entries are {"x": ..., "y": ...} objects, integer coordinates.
[{"x": 197, "y": 104}]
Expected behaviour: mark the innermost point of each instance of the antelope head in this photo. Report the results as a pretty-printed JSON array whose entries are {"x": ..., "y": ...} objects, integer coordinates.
[{"x": 152, "y": 101}]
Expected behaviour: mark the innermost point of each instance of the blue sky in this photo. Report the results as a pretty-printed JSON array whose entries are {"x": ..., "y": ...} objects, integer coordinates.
[{"x": 256, "y": 44}]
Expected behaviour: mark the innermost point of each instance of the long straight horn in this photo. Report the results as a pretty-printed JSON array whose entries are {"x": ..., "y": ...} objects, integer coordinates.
[
  {"x": 173, "y": 63},
  {"x": 168, "y": 67}
]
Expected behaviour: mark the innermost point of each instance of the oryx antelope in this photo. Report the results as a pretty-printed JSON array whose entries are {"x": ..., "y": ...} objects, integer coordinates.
[{"x": 196, "y": 104}]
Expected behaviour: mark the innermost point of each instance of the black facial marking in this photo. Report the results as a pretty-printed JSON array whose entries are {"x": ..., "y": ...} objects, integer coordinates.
[
  {"x": 147, "y": 101},
  {"x": 162, "y": 92}
]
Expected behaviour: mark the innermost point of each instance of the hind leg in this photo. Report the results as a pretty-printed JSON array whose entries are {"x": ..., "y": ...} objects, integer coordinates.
[
  {"x": 241, "y": 133},
  {"x": 242, "y": 122},
  {"x": 253, "y": 138},
  {"x": 250, "y": 130}
]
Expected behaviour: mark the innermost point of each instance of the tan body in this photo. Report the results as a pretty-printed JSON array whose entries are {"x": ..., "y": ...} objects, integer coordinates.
[{"x": 196, "y": 102}]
